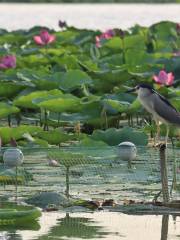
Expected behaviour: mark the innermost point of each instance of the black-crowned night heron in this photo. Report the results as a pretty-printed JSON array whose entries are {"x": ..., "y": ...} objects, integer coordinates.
[{"x": 160, "y": 108}]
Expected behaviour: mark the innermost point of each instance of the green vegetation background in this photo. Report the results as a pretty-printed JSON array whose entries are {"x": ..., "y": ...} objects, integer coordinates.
[{"x": 94, "y": 1}]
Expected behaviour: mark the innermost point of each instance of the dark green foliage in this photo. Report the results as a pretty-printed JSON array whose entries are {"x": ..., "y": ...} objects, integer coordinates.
[{"x": 70, "y": 83}]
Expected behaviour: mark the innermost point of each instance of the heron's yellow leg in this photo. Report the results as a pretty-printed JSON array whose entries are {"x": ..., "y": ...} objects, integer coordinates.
[{"x": 158, "y": 132}]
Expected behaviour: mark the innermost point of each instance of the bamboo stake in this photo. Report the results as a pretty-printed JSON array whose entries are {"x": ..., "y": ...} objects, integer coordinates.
[{"x": 164, "y": 177}]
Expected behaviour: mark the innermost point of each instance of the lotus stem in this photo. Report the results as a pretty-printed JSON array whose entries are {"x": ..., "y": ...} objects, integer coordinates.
[
  {"x": 16, "y": 186},
  {"x": 67, "y": 183},
  {"x": 123, "y": 52},
  {"x": 104, "y": 115},
  {"x": 58, "y": 119},
  {"x": 45, "y": 120},
  {"x": 9, "y": 120}
]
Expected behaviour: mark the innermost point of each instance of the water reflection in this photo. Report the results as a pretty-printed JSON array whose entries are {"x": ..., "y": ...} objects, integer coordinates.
[
  {"x": 10, "y": 236},
  {"x": 99, "y": 225},
  {"x": 164, "y": 228},
  {"x": 76, "y": 227}
]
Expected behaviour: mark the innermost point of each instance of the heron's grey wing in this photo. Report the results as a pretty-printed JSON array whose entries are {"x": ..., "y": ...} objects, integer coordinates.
[{"x": 165, "y": 110}]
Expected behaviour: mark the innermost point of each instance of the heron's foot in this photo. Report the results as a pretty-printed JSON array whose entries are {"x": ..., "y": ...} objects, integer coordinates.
[{"x": 158, "y": 144}]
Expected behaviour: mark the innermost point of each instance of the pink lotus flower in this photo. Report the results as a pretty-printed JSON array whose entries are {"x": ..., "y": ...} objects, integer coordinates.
[
  {"x": 44, "y": 38},
  {"x": 164, "y": 78},
  {"x": 105, "y": 35},
  {"x": 8, "y": 61}
]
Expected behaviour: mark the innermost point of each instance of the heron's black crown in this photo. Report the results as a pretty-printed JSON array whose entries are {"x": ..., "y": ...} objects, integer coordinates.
[{"x": 145, "y": 85}]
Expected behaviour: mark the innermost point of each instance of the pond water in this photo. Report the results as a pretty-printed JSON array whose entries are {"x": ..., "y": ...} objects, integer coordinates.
[
  {"x": 92, "y": 16},
  {"x": 111, "y": 178},
  {"x": 100, "y": 225}
]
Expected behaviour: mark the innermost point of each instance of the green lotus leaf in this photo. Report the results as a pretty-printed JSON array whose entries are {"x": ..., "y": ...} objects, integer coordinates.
[
  {"x": 134, "y": 107},
  {"x": 53, "y": 51},
  {"x": 32, "y": 61},
  {"x": 40, "y": 142},
  {"x": 136, "y": 57},
  {"x": 114, "y": 105},
  {"x": 176, "y": 103},
  {"x": 66, "y": 62},
  {"x": 67, "y": 36},
  {"x": 164, "y": 30},
  {"x": 114, "y": 43},
  {"x": 134, "y": 41},
  {"x": 29, "y": 51},
  {"x": 92, "y": 110},
  {"x": 11, "y": 38},
  {"x": 73, "y": 117},
  {"x": 143, "y": 71},
  {"x": 46, "y": 81},
  {"x": 7, "y": 133},
  {"x": 104, "y": 81},
  {"x": 113, "y": 136},
  {"x": 65, "y": 103},
  {"x": 88, "y": 142},
  {"x": 88, "y": 64},
  {"x": 114, "y": 60},
  {"x": 164, "y": 47},
  {"x": 6, "y": 109},
  {"x": 27, "y": 100},
  {"x": 9, "y": 90},
  {"x": 55, "y": 136},
  {"x": 74, "y": 79}
]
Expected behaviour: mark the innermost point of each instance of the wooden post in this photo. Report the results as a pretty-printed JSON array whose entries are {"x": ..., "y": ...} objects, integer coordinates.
[
  {"x": 164, "y": 227},
  {"x": 67, "y": 183},
  {"x": 163, "y": 168}
]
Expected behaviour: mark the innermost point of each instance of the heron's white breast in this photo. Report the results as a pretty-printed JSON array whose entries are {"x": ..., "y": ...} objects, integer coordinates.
[{"x": 147, "y": 99}]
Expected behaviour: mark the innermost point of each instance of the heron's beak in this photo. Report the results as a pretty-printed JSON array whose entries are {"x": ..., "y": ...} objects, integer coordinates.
[{"x": 131, "y": 90}]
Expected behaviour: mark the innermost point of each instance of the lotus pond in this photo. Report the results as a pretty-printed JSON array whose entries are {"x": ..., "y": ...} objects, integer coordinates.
[
  {"x": 64, "y": 103},
  {"x": 107, "y": 177}
]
